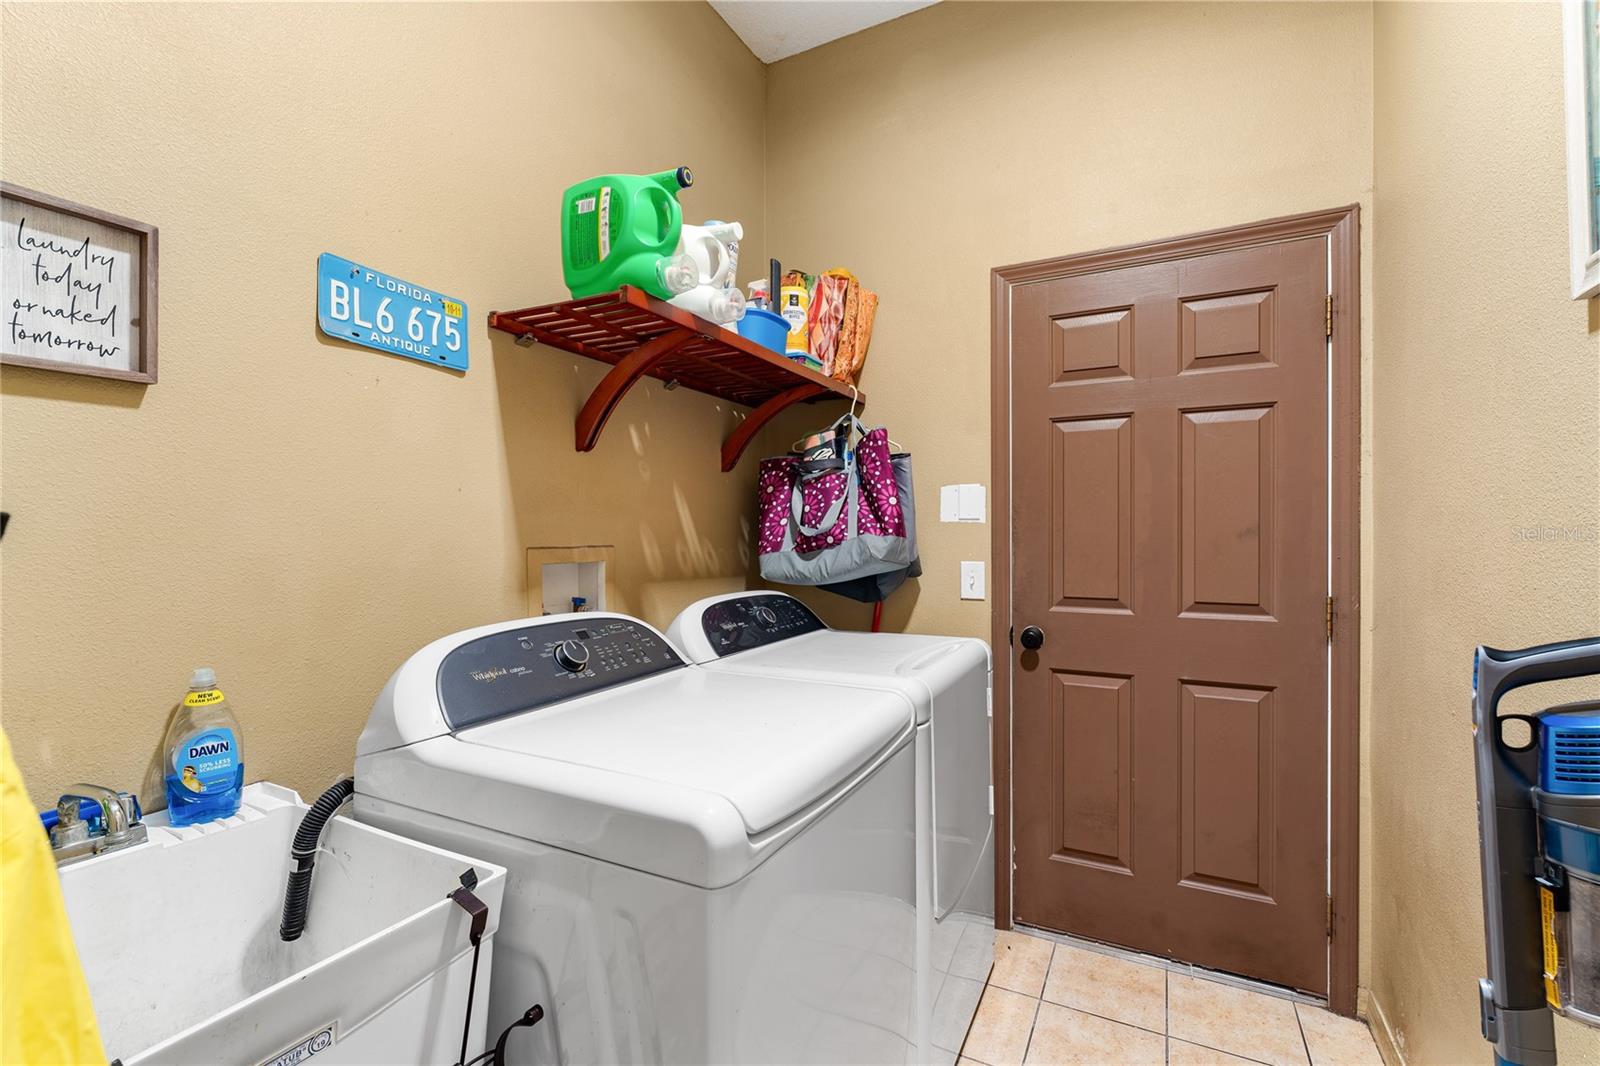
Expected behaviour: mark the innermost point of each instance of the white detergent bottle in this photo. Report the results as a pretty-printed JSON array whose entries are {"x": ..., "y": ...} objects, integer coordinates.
[
  {"x": 204, "y": 758},
  {"x": 713, "y": 248},
  {"x": 730, "y": 241}
]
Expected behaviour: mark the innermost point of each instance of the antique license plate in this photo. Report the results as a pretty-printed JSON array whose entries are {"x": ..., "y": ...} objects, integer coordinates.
[{"x": 365, "y": 306}]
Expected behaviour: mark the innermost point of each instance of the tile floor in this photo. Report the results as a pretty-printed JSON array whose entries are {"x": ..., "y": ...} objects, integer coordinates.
[{"x": 1049, "y": 1002}]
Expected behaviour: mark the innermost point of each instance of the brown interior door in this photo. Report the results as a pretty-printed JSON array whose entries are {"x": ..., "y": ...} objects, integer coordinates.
[{"x": 1170, "y": 518}]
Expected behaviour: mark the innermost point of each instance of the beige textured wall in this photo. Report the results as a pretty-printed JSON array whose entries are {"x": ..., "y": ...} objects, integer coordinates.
[
  {"x": 973, "y": 135},
  {"x": 301, "y": 514},
  {"x": 1487, "y": 421},
  {"x": 969, "y": 136},
  {"x": 298, "y": 513}
]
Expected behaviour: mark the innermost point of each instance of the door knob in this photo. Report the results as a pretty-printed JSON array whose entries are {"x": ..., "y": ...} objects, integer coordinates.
[{"x": 1032, "y": 638}]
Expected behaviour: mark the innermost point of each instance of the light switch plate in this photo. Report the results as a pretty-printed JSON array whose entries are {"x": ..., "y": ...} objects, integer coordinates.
[{"x": 971, "y": 580}]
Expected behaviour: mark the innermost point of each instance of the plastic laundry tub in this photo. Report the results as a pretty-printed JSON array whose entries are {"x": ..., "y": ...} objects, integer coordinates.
[
  {"x": 765, "y": 328},
  {"x": 179, "y": 941}
]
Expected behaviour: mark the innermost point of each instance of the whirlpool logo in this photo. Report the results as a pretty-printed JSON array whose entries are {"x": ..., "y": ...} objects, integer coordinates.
[
  {"x": 488, "y": 675},
  {"x": 321, "y": 1040}
]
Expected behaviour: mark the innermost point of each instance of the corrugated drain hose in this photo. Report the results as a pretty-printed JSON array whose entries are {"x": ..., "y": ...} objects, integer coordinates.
[{"x": 304, "y": 856}]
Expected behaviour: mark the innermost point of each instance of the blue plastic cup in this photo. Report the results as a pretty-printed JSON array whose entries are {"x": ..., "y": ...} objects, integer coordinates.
[{"x": 765, "y": 328}]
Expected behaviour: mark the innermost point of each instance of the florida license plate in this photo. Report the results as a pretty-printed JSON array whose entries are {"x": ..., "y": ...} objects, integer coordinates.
[{"x": 365, "y": 306}]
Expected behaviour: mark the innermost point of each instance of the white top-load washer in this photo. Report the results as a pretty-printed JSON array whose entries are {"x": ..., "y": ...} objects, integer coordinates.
[
  {"x": 949, "y": 680},
  {"x": 701, "y": 866}
]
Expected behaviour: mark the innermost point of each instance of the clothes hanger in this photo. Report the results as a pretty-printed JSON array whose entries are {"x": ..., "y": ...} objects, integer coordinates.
[
  {"x": 855, "y": 405},
  {"x": 855, "y": 397},
  {"x": 801, "y": 444}
]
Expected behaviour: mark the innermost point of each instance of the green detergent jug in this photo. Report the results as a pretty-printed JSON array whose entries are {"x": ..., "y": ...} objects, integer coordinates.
[{"x": 622, "y": 229}]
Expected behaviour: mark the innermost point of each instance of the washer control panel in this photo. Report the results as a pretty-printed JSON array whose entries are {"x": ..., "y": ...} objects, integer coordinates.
[
  {"x": 544, "y": 663},
  {"x": 756, "y": 621}
]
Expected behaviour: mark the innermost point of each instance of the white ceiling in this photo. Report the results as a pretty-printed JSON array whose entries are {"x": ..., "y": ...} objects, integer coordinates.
[{"x": 777, "y": 29}]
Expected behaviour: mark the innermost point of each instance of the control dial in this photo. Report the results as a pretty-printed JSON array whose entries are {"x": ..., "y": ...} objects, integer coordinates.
[
  {"x": 572, "y": 655},
  {"x": 765, "y": 615}
]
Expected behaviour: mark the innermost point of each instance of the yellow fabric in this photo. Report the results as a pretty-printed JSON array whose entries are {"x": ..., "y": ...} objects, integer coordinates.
[{"x": 46, "y": 1018}]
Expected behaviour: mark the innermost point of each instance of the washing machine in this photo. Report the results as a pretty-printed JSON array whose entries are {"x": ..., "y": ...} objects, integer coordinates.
[
  {"x": 702, "y": 866},
  {"x": 949, "y": 681}
]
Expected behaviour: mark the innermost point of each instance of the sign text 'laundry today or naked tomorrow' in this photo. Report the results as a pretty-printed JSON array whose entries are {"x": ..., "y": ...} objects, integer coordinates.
[{"x": 71, "y": 289}]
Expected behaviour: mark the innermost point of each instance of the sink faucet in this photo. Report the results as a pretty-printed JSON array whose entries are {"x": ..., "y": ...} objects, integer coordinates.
[{"x": 118, "y": 825}]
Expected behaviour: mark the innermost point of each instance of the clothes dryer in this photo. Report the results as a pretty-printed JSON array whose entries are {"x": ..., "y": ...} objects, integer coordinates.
[{"x": 949, "y": 681}]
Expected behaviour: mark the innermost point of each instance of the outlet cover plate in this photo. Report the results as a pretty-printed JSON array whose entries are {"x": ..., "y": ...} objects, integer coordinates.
[{"x": 962, "y": 503}]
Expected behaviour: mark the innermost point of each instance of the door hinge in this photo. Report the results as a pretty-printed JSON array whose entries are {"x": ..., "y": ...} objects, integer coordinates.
[
  {"x": 1327, "y": 317},
  {"x": 1330, "y": 917},
  {"x": 1327, "y": 619}
]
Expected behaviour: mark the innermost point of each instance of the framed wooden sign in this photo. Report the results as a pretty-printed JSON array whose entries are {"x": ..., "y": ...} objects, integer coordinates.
[
  {"x": 77, "y": 288},
  {"x": 1583, "y": 143}
]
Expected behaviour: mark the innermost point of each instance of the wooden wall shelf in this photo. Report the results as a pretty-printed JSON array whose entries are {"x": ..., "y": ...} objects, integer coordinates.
[{"x": 638, "y": 335}]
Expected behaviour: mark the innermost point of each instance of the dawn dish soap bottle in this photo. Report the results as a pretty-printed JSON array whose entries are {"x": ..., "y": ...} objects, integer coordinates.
[{"x": 205, "y": 761}]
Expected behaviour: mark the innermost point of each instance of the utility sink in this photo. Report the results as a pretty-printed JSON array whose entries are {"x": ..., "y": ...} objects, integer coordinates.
[{"x": 179, "y": 940}]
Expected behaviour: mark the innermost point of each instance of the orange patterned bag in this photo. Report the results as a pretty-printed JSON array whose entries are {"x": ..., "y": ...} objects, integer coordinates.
[{"x": 849, "y": 369}]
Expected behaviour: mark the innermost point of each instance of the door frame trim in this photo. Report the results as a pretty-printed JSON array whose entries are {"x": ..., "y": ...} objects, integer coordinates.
[{"x": 1342, "y": 228}]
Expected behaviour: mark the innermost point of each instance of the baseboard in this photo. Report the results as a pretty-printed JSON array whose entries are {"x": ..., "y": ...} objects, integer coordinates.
[{"x": 1382, "y": 1035}]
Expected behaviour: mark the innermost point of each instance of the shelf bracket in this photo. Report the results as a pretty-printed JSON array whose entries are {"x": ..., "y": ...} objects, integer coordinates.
[
  {"x": 635, "y": 334},
  {"x": 615, "y": 385},
  {"x": 745, "y": 432}
]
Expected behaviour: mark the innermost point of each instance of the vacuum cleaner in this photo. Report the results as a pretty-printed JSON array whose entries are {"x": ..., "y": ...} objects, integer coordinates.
[{"x": 1539, "y": 840}]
